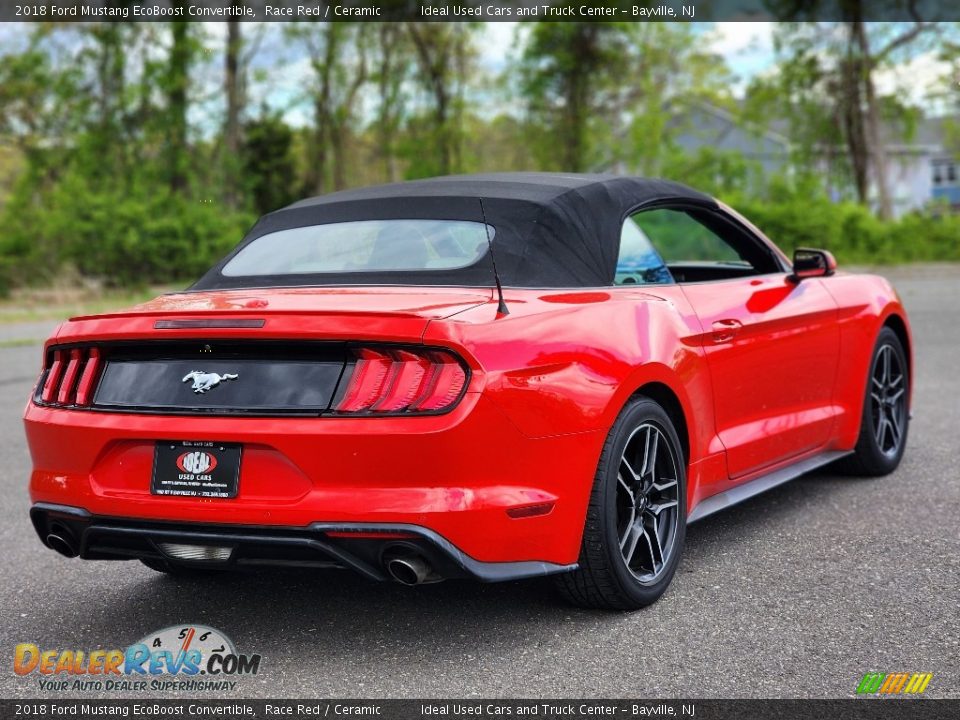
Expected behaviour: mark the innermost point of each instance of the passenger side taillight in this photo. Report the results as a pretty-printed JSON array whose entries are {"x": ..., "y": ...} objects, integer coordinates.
[
  {"x": 71, "y": 378},
  {"x": 388, "y": 381}
]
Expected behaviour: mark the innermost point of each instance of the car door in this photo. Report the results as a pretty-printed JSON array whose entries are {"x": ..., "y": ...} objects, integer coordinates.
[{"x": 771, "y": 343}]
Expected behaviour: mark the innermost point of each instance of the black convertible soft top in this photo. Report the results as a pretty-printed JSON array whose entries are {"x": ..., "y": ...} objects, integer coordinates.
[{"x": 551, "y": 229}]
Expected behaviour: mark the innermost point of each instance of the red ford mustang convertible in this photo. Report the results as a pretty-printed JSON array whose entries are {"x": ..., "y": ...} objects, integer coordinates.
[{"x": 489, "y": 377}]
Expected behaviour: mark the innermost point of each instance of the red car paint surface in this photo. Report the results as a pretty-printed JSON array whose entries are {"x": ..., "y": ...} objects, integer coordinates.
[{"x": 766, "y": 371}]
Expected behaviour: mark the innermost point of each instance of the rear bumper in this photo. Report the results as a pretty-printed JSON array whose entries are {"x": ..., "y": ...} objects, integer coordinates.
[
  {"x": 319, "y": 545},
  {"x": 454, "y": 477}
]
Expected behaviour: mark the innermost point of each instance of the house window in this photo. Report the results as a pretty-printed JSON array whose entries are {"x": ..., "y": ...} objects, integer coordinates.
[
  {"x": 951, "y": 173},
  {"x": 937, "y": 174}
]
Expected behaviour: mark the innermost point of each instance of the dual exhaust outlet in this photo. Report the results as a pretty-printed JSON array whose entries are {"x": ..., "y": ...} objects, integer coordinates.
[{"x": 404, "y": 567}]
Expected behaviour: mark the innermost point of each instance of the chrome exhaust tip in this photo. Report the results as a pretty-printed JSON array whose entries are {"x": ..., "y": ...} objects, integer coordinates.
[
  {"x": 62, "y": 544},
  {"x": 410, "y": 570}
]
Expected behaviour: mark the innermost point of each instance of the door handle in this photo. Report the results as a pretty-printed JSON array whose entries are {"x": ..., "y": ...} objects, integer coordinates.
[{"x": 726, "y": 330}]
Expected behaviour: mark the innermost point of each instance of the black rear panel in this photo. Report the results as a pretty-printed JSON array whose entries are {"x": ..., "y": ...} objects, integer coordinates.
[{"x": 221, "y": 377}]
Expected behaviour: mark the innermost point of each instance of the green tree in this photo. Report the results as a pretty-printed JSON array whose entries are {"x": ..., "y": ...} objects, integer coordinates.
[
  {"x": 338, "y": 55},
  {"x": 176, "y": 83},
  {"x": 570, "y": 74},
  {"x": 102, "y": 120},
  {"x": 393, "y": 60},
  {"x": 828, "y": 80},
  {"x": 446, "y": 53},
  {"x": 234, "y": 85},
  {"x": 268, "y": 161},
  {"x": 604, "y": 93}
]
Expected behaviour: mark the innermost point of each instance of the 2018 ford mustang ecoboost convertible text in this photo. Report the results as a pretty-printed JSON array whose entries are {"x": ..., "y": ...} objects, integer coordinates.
[{"x": 489, "y": 376}]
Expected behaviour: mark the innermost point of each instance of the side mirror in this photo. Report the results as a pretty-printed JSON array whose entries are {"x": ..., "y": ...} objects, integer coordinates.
[{"x": 810, "y": 263}]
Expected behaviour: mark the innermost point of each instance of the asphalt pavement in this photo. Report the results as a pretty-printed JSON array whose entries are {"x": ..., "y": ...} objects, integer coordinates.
[{"x": 796, "y": 593}]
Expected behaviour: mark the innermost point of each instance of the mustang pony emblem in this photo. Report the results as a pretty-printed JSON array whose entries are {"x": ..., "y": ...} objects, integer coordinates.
[{"x": 203, "y": 381}]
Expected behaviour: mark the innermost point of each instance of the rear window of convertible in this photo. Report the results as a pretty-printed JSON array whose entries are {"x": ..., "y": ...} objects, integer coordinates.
[{"x": 363, "y": 246}]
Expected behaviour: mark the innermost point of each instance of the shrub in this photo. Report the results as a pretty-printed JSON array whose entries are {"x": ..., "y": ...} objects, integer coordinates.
[
  {"x": 853, "y": 233},
  {"x": 132, "y": 238},
  {"x": 126, "y": 240}
]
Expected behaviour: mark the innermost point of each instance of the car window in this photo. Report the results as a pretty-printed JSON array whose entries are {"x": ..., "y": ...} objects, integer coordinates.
[
  {"x": 699, "y": 245},
  {"x": 363, "y": 246},
  {"x": 638, "y": 261},
  {"x": 680, "y": 238}
]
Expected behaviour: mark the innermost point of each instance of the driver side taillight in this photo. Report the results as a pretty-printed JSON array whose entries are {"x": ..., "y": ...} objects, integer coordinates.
[{"x": 71, "y": 377}]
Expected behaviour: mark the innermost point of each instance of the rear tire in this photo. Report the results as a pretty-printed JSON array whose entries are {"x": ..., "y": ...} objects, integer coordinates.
[
  {"x": 885, "y": 418},
  {"x": 636, "y": 520}
]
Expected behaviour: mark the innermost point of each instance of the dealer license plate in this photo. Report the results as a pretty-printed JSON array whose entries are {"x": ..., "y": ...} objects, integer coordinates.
[{"x": 196, "y": 469}]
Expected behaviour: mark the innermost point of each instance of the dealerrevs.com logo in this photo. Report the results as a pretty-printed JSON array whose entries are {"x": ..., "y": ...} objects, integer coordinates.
[{"x": 188, "y": 658}]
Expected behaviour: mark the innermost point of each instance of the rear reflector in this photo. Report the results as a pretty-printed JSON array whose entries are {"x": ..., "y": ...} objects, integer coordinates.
[
  {"x": 72, "y": 377},
  {"x": 525, "y": 511},
  {"x": 403, "y": 381}
]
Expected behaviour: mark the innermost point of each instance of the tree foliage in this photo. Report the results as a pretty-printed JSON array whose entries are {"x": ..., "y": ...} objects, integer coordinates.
[
  {"x": 268, "y": 162},
  {"x": 599, "y": 94},
  {"x": 827, "y": 90},
  {"x": 129, "y": 152}
]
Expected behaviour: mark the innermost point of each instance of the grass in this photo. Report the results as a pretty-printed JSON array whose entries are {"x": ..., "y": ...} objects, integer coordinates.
[
  {"x": 20, "y": 342},
  {"x": 34, "y": 305}
]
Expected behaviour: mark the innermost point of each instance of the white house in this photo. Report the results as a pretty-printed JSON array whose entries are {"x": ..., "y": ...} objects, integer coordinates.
[{"x": 919, "y": 171}]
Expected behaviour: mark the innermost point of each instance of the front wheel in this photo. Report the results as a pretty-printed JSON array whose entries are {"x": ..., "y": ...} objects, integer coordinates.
[
  {"x": 636, "y": 520},
  {"x": 885, "y": 415}
]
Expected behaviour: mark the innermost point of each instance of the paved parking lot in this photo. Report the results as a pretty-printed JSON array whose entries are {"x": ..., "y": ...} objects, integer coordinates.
[{"x": 796, "y": 593}]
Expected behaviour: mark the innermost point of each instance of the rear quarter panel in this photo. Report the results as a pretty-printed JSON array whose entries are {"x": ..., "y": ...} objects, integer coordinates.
[{"x": 567, "y": 362}]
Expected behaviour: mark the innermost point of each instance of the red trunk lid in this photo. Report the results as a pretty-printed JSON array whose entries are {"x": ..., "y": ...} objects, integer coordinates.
[
  {"x": 384, "y": 313},
  {"x": 430, "y": 303}
]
